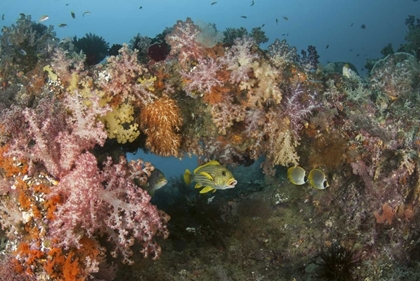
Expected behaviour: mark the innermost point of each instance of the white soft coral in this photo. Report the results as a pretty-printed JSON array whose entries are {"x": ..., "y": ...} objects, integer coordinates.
[{"x": 239, "y": 59}]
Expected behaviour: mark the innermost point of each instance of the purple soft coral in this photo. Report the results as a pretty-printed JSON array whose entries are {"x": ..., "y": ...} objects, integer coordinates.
[{"x": 298, "y": 105}]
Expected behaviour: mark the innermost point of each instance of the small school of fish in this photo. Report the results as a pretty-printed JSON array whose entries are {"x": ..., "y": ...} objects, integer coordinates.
[
  {"x": 210, "y": 177},
  {"x": 316, "y": 178}
]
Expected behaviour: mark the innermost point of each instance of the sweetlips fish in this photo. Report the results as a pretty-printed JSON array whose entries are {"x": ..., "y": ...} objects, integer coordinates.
[
  {"x": 211, "y": 176},
  {"x": 155, "y": 181}
]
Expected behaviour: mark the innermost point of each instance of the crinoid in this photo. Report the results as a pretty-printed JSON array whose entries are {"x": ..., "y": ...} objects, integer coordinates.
[
  {"x": 94, "y": 47},
  {"x": 337, "y": 263}
]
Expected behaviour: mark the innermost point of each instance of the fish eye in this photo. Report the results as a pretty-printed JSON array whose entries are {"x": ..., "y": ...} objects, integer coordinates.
[{"x": 223, "y": 173}]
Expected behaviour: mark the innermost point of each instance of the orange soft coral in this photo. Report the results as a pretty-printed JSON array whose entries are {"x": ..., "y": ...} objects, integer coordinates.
[
  {"x": 9, "y": 166},
  {"x": 161, "y": 121}
]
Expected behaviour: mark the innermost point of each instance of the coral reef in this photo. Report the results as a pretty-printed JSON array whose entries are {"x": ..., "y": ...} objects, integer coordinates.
[
  {"x": 395, "y": 75},
  {"x": 71, "y": 204}
]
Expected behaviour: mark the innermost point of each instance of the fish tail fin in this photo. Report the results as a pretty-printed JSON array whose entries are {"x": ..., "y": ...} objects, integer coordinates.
[{"x": 187, "y": 176}]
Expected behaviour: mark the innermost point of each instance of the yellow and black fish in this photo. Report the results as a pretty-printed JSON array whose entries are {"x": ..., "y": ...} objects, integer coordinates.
[
  {"x": 318, "y": 179},
  {"x": 297, "y": 175},
  {"x": 211, "y": 176}
]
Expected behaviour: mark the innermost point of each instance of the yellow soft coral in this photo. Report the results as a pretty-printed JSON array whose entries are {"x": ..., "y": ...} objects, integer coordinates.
[
  {"x": 267, "y": 91},
  {"x": 118, "y": 120},
  {"x": 148, "y": 83},
  {"x": 51, "y": 75}
]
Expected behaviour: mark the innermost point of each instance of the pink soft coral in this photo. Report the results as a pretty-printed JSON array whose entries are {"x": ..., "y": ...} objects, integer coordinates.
[
  {"x": 58, "y": 138},
  {"x": 107, "y": 201},
  {"x": 119, "y": 80},
  {"x": 239, "y": 59},
  {"x": 202, "y": 77},
  {"x": 183, "y": 41}
]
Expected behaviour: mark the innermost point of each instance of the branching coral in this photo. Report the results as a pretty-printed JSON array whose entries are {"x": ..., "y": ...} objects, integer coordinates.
[
  {"x": 281, "y": 53},
  {"x": 299, "y": 105},
  {"x": 59, "y": 139},
  {"x": 202, "y": 77},
  {"x": 183, "y": 41},
  {"x": 239, "y": 59},
  {"x": 161, "y": 121},
  {"x": 224, "y": 113},
  {"x": 266, "y": 90},
  {"x": 86, "y": 200},
  {"x": 119, "y": 208},
  {"x": 281, "y": 145},
  {"x": 119, "y": 79}
]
